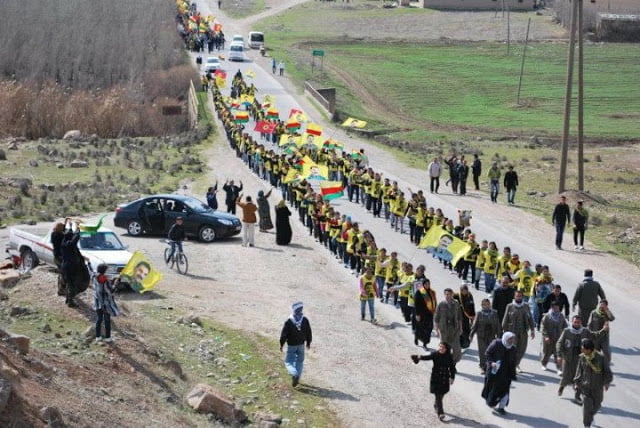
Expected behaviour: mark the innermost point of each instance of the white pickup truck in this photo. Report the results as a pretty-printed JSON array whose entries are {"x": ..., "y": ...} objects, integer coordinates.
[{"x": 104, "y": 246}]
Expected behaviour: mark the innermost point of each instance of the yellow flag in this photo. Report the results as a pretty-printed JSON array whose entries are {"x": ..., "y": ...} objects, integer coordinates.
[
  {"x": 289, "y": 141},
  {"x": 246, "y": 98},
  {"x": 354, "y": 123},
  {"x": 292, "y": 175},
  {"x": 443, "y": 245},
  {"x": 221, "y": 82},
  {"x": 312, "y": 171},
  {"x": 139, "y": 274},
  {"x": 250, "y": 74}
]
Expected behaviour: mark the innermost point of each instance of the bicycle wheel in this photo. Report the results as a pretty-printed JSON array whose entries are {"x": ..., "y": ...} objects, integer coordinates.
[
  {"x": 182, "y": 263},
  {"x": 167, "y": 260}
]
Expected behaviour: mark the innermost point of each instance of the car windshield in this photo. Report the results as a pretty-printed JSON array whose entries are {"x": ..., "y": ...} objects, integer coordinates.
[
  {"x": 257, "y": 37},
  {"x": 236, "y": 48},
  {"x": 212, "y": 61},
  {"x": 196, "y": 205},
  {"x": 101, "y": 241}
]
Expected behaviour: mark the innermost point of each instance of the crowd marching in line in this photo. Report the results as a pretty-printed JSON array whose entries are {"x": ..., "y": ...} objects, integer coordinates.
[{"x": 526, "y": 300}]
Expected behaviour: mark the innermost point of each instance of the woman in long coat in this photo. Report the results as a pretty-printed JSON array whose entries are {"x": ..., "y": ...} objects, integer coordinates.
[
  {"x": 264, "y": 211},
  {"x": 501, "y": 370},
  {"x": 283, "y": 228},
  {"x": 442, "y": 375}
]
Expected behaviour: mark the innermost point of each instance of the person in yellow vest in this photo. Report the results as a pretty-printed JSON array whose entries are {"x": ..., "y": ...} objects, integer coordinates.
[
  {"x": 525, "y": 280},
  {"x": 399, "y": 210},
  {"x": 404, "y": 288},
  {"x": 375, "y": 194},
  {"x": 346, "y": 225},
  {"x": 386, "y": 192},
  {"x": 368, "y": 292},
  {"x": 484, "y": 245},
  {"x": 380, "y": 271},
  {"x": 391, "y": 276},
  {"x": 421, "y": 219},
  {"x": 490, "y": 264},
  {"x": 411, "y": 212},
  {"x": 469, "y": 259},
  {"x": 352, "y": 237},
  {"x": 502, "y": 262}
]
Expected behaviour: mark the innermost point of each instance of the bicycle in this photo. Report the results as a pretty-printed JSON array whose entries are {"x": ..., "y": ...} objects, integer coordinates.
[{"x": 179, "y": 258}]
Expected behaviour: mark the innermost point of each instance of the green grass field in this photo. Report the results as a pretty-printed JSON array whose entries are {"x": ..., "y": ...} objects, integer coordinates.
[{"x": 468, "y": 85}]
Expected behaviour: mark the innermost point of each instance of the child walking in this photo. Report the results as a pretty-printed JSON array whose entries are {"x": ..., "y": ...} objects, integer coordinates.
[{"x": 103, "y": 303}]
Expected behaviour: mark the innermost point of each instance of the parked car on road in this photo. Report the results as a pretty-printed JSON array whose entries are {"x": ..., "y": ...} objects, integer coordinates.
[
  {"x": 212, "y": 64},
  {"x": 236, "y": 52},
  {"x": 103, "y": 246},
  {"x": 237, "y": 38},
  {"x": 155, "y": 214}
]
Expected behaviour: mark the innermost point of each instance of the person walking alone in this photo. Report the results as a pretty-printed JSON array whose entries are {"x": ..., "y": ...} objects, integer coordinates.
[
  {"x": 580, "y": 219},
  {"x": 296, "y": 331},
  {"x": 511, "y": 184},
  {"x": 434, "y": 169},
  {"x": 476, "y": 169},
  {"x": 560, "y": 217},
  {"x": 442, "y": 375},
  {"x": 249, "y": 220},
  {"x": 494, "y": 181},
  {"x": 281, "y": 68}
]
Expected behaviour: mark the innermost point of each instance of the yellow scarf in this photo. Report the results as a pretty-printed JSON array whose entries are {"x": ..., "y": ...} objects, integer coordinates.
[{"x": 590, "y": 360}]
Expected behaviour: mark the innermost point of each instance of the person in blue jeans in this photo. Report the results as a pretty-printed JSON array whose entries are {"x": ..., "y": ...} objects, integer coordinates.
[
  {"x": 296, "y": 331},
  {"x": 176, "y": 235}
]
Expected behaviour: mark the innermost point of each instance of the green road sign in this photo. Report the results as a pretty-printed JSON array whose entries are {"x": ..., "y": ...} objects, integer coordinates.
[{"x": 317, "y": 52}]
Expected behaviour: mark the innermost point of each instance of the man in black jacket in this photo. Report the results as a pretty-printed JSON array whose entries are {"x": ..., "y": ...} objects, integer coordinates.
[
  {"x": 476, "y": 168},
  {"x": 511, "y": 184},
  {"x": 232, "y": 192},
  {"x": 295, "y": 332},
  {"x": 560, "y": 217},
  {"x": 176, "y": 235},
  {"x": 502, "y": 296},
  {"x": 557, "y": 296}
]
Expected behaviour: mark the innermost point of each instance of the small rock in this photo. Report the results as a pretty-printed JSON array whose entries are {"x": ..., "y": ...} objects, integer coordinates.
[
  {"x": 33, "y": 163},
  {"x": 207, "y": 399},
  {"x": 16, "y": 311},
  {"x": 72, "y": 135},
  {"x": 9, "y": 278},
  {"x": 52, "y": 416},
  {"x": 45, "y": 328},
  {"x": 3, "y": 295},
  {"x": 21, "y": 343},
  {"x": 79, "y": 164},
  {"x": 59, "y": 166},
  {"x": 12, "y": 145}
]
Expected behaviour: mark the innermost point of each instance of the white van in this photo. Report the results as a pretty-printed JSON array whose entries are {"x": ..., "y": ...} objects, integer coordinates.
[
  {"x": 256, "y": 40},
  {"x": 236, "y": 52},
  {"x": 237, "y": 38}
]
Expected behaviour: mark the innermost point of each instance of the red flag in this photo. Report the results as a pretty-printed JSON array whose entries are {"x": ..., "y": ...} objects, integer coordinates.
[
  {"x": 220, "y": 73},
  {"x": 265, "y": 127}
]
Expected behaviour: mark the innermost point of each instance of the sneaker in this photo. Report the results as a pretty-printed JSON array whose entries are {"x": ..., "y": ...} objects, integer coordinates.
[
  {"x": 500, "y": 410},
  {"x": 374, "y": 321},
  {"x": 544, "y": 368},
  {"x": 109, "y": 340},
  {"x": 294, "y": 380},
  {"x": 98, "y": 339},
  {"x": 576, "y": 247},
  {"x": 581, "y": 248}
]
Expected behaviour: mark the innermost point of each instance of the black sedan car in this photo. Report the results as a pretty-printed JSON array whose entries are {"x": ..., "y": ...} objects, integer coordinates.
[{"x": 155, "y": 214}]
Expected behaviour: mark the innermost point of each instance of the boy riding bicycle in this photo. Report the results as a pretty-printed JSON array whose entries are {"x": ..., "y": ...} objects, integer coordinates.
[{"x": 176, "y": 236}]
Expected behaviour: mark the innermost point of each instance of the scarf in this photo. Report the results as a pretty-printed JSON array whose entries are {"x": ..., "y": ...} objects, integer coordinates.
[
  {"x": 576, "y": 330},
  {"x": 296, "y": 315},
  {"x": 555, "y": 316},
  {"x": 518, "y": 305},
  {"x": 603, "y": 314},
  {"x": 590, "y": 360},
  {"x": 429, "y": 298},
  {"x": 505, "y": 339}
]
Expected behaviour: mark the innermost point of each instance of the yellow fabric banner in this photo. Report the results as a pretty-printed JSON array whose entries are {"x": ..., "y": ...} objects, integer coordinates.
[
  {"x": 443, "y": 245},
  {"x": 139, "y": 274}
]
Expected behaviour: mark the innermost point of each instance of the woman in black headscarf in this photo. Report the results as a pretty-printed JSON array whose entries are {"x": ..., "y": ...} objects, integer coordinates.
[
  {"x": 263, "y": 211},
  {"x": 442, "y": 375},
  {"x": 283, "y": 228}
]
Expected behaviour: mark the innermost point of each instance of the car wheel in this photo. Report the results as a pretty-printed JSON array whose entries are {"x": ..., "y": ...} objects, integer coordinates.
[
  {"x": 207, "y": 234},
  {"x": 29, "y": 260},
  {"x": 134, "y": 228}
]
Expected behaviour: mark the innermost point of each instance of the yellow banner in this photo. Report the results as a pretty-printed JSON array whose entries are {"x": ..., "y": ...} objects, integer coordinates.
[
  {"x": 292, "y": 175},
  {"x": 311, "y": 141},
  {"x": 354, "y": 123},
  {"x": 443, "y": 245},
  {"x": 139, "y": 273},
  {"x": 312, "y": 171},
  {"x": 289, "y": 141}
]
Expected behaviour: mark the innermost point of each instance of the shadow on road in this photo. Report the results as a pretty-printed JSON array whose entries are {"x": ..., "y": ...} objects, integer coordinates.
[
  {"x": 301, "y": 247},
  {"x": 620, "y": 412},
  {"x": 464, "y": 422},
  {"x": 533, "y": 421},
  {"x": 317, "y": 391},
  {"x": 625, "y": 351},
  {"x": 149, "y": 295}
]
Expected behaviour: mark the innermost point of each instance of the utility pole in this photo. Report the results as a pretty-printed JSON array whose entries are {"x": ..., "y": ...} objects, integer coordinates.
[
  {"x": 580, "y": 97},
  {"x": 524, "y": 54},
  {"x": 567, "y": 98}
]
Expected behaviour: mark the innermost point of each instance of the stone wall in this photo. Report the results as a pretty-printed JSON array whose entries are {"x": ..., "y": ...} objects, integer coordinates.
[{"x": 479, "y": 4}]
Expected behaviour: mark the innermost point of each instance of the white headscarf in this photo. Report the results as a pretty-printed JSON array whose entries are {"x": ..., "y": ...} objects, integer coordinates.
[
  {"x": 505, "y": 339},
  {"x": 296, "y": 314}
]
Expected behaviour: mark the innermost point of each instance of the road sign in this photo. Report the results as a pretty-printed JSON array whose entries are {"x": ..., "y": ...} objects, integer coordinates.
[{"x": 317, "y": 52}]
